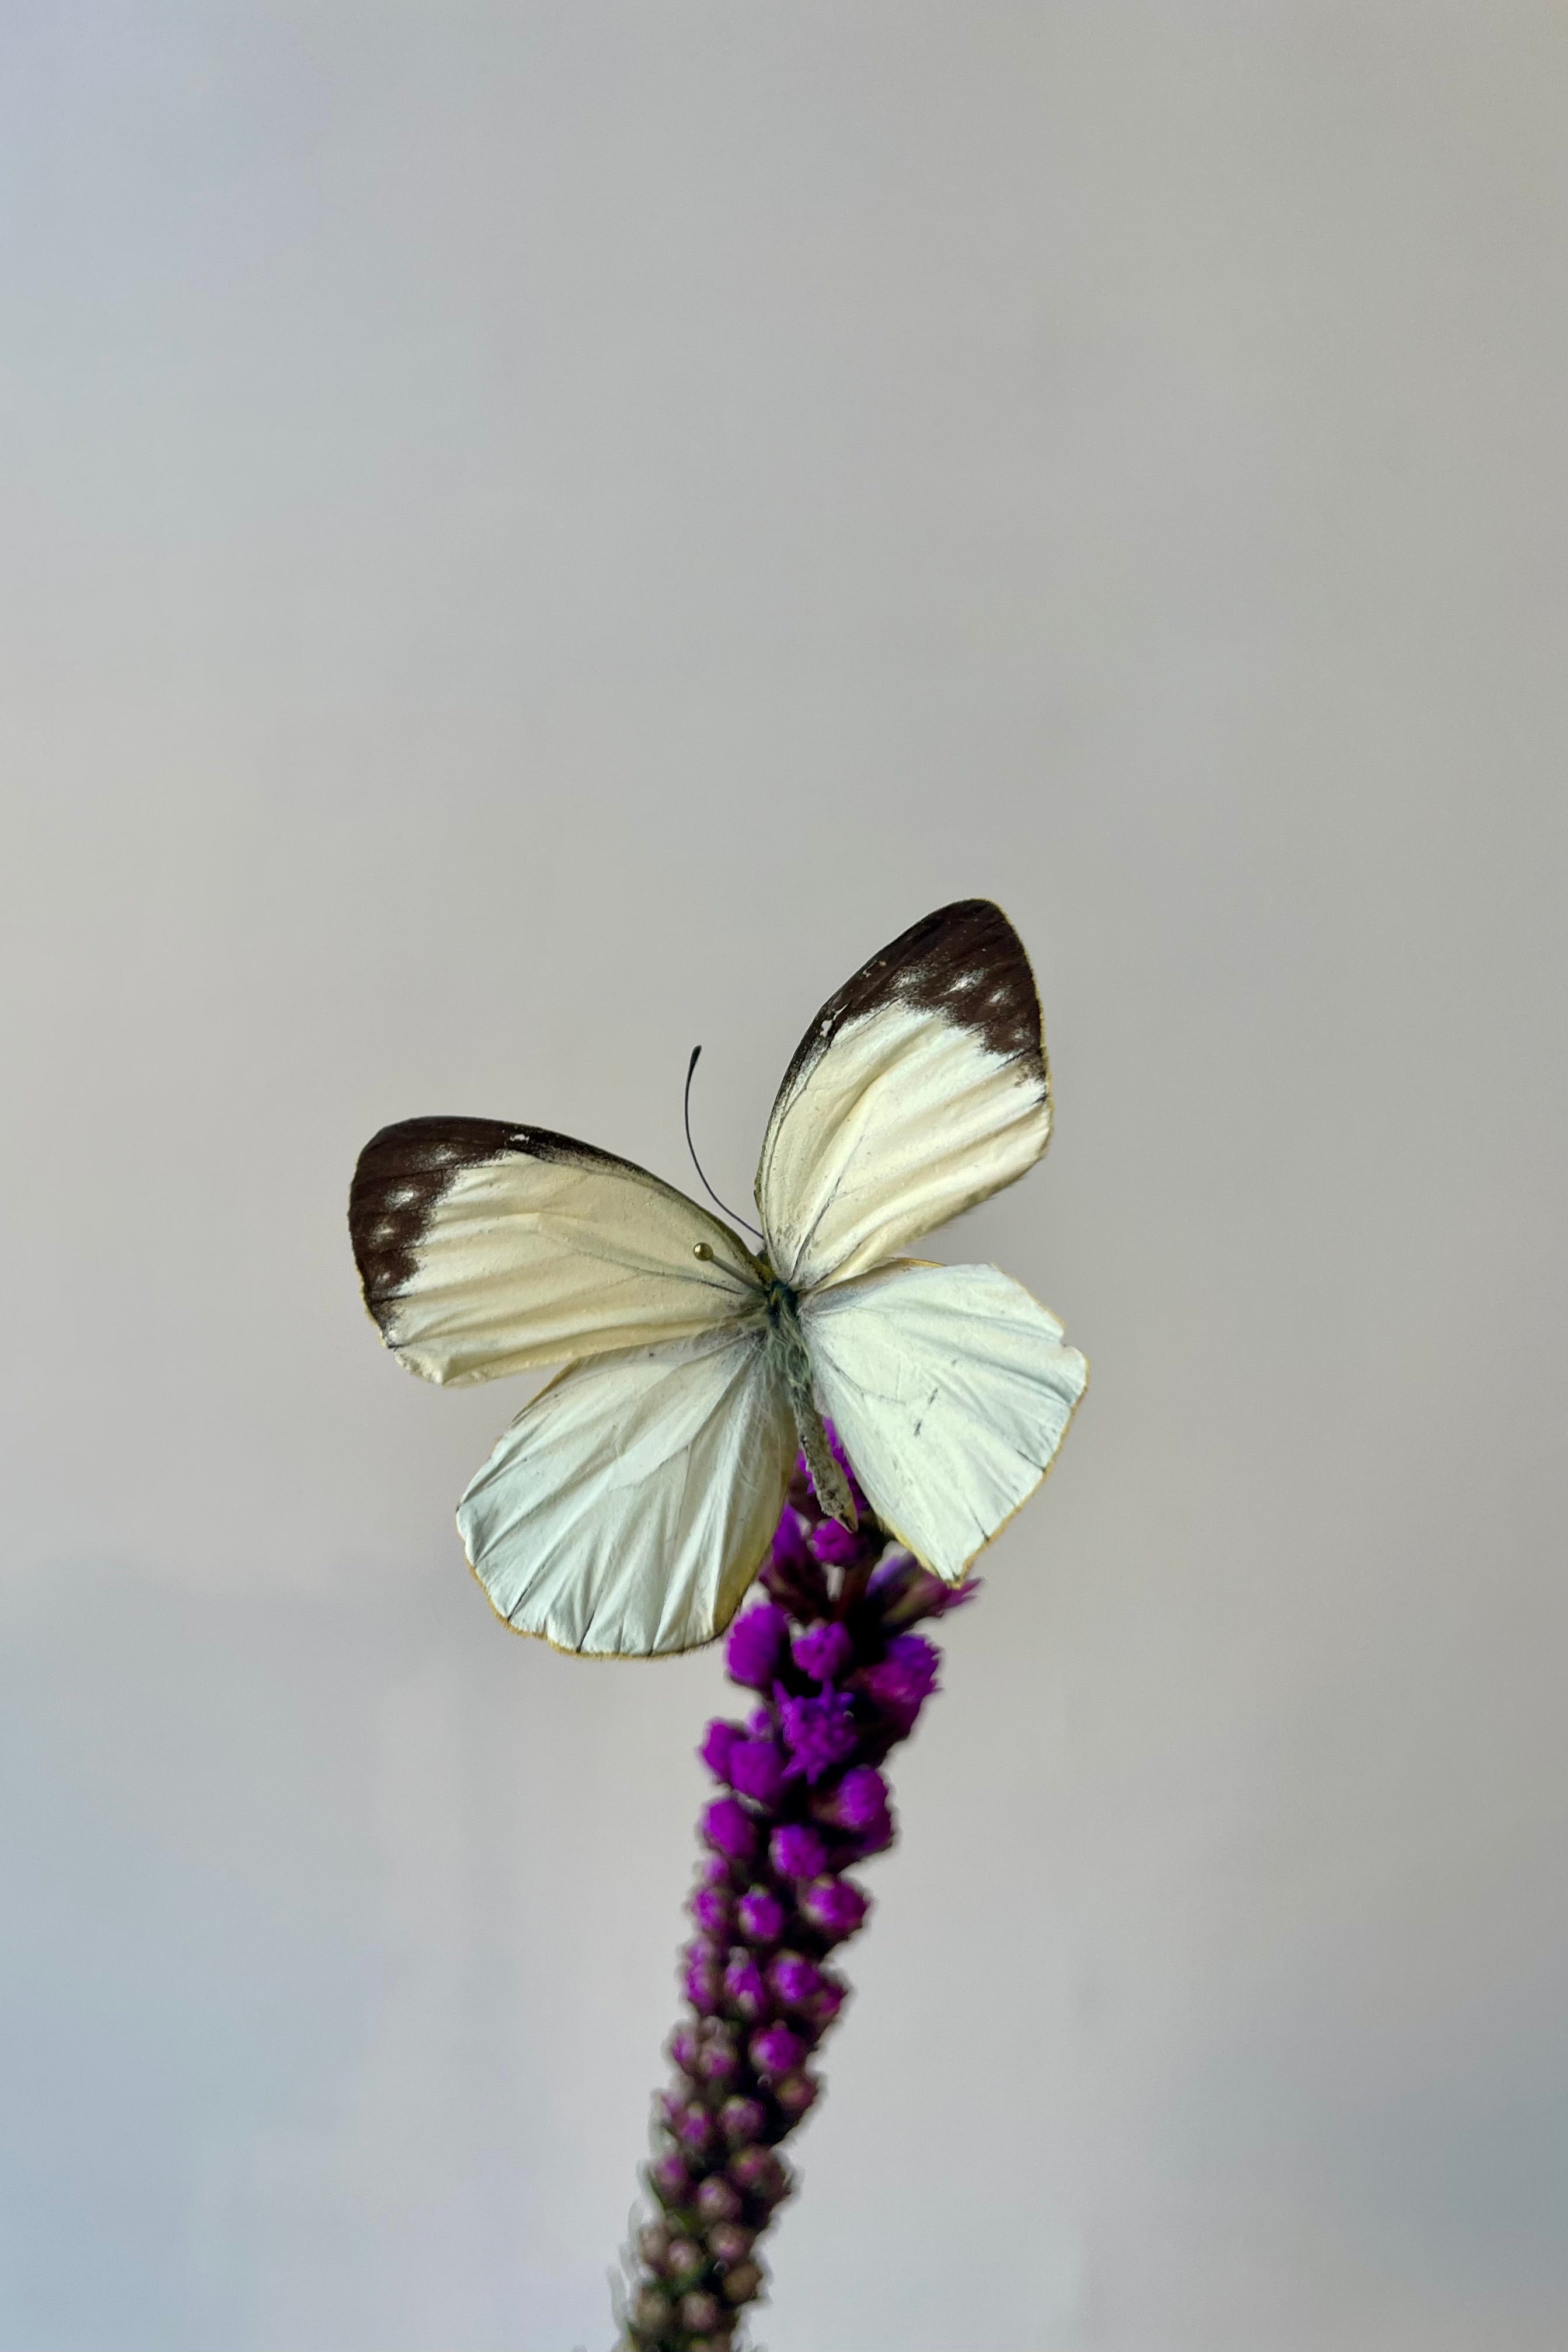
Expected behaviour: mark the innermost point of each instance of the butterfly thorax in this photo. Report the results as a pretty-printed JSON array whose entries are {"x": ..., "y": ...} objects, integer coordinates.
[{"x": 786, "y": 1344}]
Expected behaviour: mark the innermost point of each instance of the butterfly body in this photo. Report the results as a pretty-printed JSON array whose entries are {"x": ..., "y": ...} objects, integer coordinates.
[
  {"x": 786, "y": 1344},
  {"x": 630, "y": 1505}
]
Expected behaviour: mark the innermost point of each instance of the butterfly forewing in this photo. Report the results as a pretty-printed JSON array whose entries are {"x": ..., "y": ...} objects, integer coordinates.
[
  {"x": 630, "y": 1505},
  {"x": 486, "y": 1248},
  {"x": 920, "y": 1089},
  {"x": 952, "y": 1390}
]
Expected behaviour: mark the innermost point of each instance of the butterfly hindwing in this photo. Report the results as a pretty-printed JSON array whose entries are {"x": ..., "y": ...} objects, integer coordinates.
[
  {"x": 920, "y": 1088},
  {"x": 486, "y": 1248},
  {"x": 952, "y": 1389},
  {"x": 630, "y": 1505}
]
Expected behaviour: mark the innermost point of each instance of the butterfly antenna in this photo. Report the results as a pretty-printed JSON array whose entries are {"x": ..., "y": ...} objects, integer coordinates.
[{"x": 686, "y": 1113}]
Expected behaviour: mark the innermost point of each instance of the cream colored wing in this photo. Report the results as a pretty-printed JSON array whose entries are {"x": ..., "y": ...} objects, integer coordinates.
[
  {"x": 951, "y": 1389},
  {"x": 919, "y": 1089},
  {"x": 627, "y": 1507},
  {"x": 485, "y": 1248}
]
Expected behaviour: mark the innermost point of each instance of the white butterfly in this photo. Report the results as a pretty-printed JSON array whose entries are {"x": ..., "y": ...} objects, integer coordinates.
[{"x": 630, "y": 1505}]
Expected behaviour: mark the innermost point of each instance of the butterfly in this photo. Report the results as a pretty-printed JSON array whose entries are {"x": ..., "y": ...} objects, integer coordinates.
[{"x": 631, "y": 1503}]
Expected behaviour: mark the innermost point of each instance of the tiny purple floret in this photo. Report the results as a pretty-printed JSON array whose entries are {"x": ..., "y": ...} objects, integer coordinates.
[
  {"x": 834, "y": 1907},
  {"x": 760, "y": 1916},
  {"x": 743, "y": 1983},
  {"x": 757, "y": 1767},
  {"x": 859, "y": 1804},
  {"x": 775, "y": 2050},
  {"x": 730, "y": 1828},
  {"x": 833, "y": 1545},
  {"x": 755, "y": 1642},
  {"x": 717, "y": 1742},
  {"x": 797, "y": 1852},
  {"x": 824, "y": 1650},
  {"x": 902, "y": 1681},
  {"x": 819, "y": 1732}
]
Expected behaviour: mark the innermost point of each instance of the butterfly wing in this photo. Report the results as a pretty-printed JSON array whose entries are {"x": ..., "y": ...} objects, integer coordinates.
[
  {"x": 920, "y": 1089},
  {"x": 630, "y": 1505},
  {"x": 486, "y": 1248},
  {"x": 952, "y": 1390}
]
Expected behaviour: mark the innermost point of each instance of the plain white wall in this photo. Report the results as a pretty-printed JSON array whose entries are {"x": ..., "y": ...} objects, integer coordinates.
[{"x": 536, "y": 535}]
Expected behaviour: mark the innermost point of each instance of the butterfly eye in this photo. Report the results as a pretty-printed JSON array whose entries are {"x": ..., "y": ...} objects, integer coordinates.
[{"x": 702, "y": 1249}]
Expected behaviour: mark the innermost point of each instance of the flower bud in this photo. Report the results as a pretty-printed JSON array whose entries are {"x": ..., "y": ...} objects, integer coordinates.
[
  {"x": 653, "y": 2244},
  {"x": 757, "y": 1769},
  {"x": 775, "y": 2050},
  {"x": 859, "y": 1803},
  {"x": 703, "y": 1981},
  {"x": 713, "y": 1911},
  {"x": 744, "y": 1984},
  {"x": 718, "y": 2062},
  {"x": 668, "y": 2178},
  {"x": 730, "y": 1828},
  {"x": 717, "y": 2200},
  {"x": 701, "y": 2311},
  {"x": 740, "y": 2120},
  {"x": 794, "y": 1981},
  {"x": 693, "y": 2129},
  {"x": 682, "y": 2047},
  {"x": 759, "y": 2172},
  {"x": 828, "y": 2001},
  {"x": 717, "y": 1742},
  {"x": 835, "y": 1907},
  {"x": 796, "y": 2092},
  {"x": 685, "y": 2260},
  {"x": 741, "y": 2281},
  {"x": 797, "y": 1852},
  {"x": 649, "y": 2309},
  {"x": 755, "y": 1640},
  {"x": 760, "y": 1916},
  {"x": 728, "y": 2241}
]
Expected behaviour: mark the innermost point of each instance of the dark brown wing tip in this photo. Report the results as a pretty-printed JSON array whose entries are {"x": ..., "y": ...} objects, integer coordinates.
[
  {"x": 965, "y": 962},
  {"x": 400, "y": 1175}
]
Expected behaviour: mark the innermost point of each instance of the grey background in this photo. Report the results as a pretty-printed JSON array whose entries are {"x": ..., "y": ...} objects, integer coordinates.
[{"x": 532, "y": 536}]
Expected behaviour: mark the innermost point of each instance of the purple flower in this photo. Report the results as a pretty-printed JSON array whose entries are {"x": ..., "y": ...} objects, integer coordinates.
[
  {"x": 757, "y": 1769},
  {"x": 902, "y": 1681},
  {"x": 683, "y": 2047},
  {"x": 835, "y": 1546},
  {"x": 797, "y": 1852},
  {"x": 718, "y": 2062},
  {"x": 743, "y": 1983},
  {"x": 760, "y": 1916},
  {"x": 790, "y": 1546},
  {"x": 775, "y": 2050},
  {"x": 859, "y": 1804},
  {"x": 712, "y": 1909},
  {"x": 819, "y": 1732},
  {"x": 834, "y": 1907},
  {"x": 755, "y": 1643},
  {"x": 719, "y": 1737},
  {"x": 824, "y": 1650},
  {"x": 702, "y": 1982},
  {"x": 794, "y": 1980},
  {"x": 730, "y": 1828},
  {"x": 694, "y": 2129}
]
